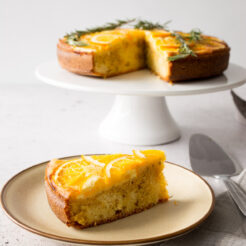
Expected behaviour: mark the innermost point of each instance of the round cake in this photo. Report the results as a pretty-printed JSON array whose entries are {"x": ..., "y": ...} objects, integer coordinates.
[{"x": 173, "y": 56}]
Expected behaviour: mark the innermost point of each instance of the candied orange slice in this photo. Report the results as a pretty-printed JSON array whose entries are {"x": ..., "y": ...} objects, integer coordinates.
[
  {"x": 213, "y": 43},
  {"x": 154, "y": 154},
  {"x": 107, "y": 158},
  {"x": 92, "y": 172},
  {"x": 104, "y": 38},
  {"x": 169, "y": 48},
  {"x": 68, "y": 172},
  {"x": 110, "y": 165},
  {"x": 72, "y": 174},
  {"x": 91, "y": 160},
  {"x": 167, "y": 42},
  {"x": 161, "y": 33},
  {"x": 138, "y": 153}
]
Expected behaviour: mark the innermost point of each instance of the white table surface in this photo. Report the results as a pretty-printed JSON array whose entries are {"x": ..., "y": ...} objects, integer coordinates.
[{"x": 39, "y": 122}]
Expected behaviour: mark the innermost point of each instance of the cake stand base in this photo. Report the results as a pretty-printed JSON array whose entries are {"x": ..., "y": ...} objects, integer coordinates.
[{"x": 139, "y": 120}]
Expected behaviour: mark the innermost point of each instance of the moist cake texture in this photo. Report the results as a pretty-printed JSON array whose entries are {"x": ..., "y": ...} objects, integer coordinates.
[{"x": 93, "y": 190}]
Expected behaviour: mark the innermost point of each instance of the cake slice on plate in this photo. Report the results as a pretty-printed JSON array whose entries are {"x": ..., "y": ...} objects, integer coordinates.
[{"x": 97, "y": 189}]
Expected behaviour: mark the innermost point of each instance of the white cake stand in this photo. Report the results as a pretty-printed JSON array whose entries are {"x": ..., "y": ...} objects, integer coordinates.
[{"x": 139, "y": 115}]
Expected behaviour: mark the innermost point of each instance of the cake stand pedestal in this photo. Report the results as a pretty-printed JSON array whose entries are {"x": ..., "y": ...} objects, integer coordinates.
[
  {"x": 139, "y": 115},
  {"x": 139, "y": 120}
]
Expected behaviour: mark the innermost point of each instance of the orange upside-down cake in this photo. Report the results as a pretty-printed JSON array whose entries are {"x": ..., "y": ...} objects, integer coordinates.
[{"x": 172, "y": 55}]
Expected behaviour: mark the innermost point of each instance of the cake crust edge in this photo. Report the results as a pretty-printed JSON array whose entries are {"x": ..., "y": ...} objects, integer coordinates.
[
  {"x": 200, "y": 66},
  {"x": 79, "y": 62},
  {"x": 58, "y": 201}
]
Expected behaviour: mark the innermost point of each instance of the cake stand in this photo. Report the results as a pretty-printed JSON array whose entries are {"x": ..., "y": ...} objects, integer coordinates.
[{"x": 139, "y": 115}]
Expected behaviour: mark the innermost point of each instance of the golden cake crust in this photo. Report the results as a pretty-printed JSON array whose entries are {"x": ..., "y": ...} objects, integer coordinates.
[
  {"x": 58, "y": 201},
  {"x": 79, "y": 62},
  {"x": 201, "y": 66}
]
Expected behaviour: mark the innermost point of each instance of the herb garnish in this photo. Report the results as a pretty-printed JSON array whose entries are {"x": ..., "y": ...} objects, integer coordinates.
[
  {"x": 195, "y": 35},
  {"x": 74, "y": 40},
  {"x": 74, "y": 37},
  {"x": 184, "y": 50},
  {"x": 147, "y": 25}
]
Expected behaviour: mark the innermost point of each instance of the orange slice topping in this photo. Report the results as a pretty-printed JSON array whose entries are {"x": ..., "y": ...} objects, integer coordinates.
[
  {"x": 139, "y": 153},
  {"x": 104, "y": 38},
  {"x": 72, "y": 174},
  {"x": 68, "y": 173},
  {"x": 91, "y": 173}
]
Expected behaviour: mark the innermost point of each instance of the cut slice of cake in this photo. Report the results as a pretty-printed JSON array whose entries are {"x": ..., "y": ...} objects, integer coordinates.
[{"x": 97, "y": 189}]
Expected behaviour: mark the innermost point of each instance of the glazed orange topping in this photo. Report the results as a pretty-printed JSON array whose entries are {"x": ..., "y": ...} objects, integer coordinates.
[
  {"x": 162, "y": 39},
  {"x": 90, "y": 174},
  {"x": 104, "y": 38},
  {"x": 168, "y": 43},
  {"x": 101, "y": 40}
]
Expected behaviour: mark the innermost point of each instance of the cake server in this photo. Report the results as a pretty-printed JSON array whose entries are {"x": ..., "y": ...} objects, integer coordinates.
[
  {"x": 240, "y": 103},
  {"x": 209, "y": 159}
]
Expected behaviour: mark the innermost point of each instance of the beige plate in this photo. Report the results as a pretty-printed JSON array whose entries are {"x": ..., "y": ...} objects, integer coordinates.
[{"x": 192, "y": 200}]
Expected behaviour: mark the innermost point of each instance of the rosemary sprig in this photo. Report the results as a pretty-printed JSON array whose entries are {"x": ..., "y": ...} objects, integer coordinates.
[
  {"x": 177, "y": 57},
  {"x": 74, "y": 37},
  {"x": 73, "y": 40},
  {"x": 195, "y": 35},
  {"x": 147, "y": 25},
  {"x": 108, "y": 26},
  {"x": 184, "y": 50}
]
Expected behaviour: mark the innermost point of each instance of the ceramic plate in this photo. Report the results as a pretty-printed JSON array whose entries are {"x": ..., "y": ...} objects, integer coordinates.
[{"x": 192, "y": 200}]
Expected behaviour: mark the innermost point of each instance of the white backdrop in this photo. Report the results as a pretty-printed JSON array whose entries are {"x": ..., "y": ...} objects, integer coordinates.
[{"x": 29, "y": 29}]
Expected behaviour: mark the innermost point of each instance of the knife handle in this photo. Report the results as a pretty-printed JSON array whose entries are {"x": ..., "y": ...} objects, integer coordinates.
[{"x": 237, "y": 193}]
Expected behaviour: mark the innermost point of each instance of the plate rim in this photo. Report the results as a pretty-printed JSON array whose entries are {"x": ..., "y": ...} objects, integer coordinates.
[{"x": 93, "y": 242}]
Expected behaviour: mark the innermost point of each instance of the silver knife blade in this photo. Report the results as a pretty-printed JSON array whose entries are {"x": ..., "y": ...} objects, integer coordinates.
[
  {"x": 208, "y": 158},
  {"x": 240, "y": 103}
]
